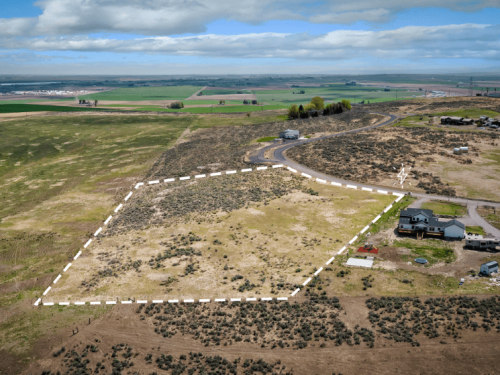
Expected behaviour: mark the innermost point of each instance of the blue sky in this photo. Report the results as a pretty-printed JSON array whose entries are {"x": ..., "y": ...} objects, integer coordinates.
[{"x": 274, "y": 36}]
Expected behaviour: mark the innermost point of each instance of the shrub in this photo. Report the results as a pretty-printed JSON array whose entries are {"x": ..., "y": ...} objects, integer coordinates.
[
  {"x": 346, "y": 103},
  {"x": 318, "y": 102},
  {"x": 177, "y": 105}
]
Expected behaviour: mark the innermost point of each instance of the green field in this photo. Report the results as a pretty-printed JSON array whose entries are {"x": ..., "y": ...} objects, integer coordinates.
[
  {"x": 445, "y": 208},
  {"x": 226, "y": 92},
  {"x": 145, "y": 93},
  {"x": 333, "y": 93},
  {"x": 17, "y": 108},
  {"x": 215, "y": 109},
  {"x": 475, "y": 230}
]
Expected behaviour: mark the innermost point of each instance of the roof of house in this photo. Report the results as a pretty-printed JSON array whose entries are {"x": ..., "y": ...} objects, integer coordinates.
[
  {"x": 492, "y": 263},
  {"x": 291, "y": 131},
  {"x": 454, "y": 222},
  {"x": 410, "y": 212}
]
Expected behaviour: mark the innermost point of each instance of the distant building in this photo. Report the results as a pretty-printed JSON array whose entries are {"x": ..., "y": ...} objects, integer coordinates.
[
  {"x": 290, "y": 134},
  {"x": 420, "y": 221},
  {"x": 351, "y": 83},
  {"x": 488, "y": 268}
]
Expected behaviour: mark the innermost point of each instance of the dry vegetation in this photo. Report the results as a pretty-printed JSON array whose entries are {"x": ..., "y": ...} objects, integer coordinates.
[
  {"x": 225, "y": 148},
  {"x": 375, "y": 156}
]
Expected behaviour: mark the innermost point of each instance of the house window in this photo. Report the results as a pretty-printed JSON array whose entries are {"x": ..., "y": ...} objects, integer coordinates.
[
  {"x": 431, "y": 229},
  {"x": 413, "y": 227}
]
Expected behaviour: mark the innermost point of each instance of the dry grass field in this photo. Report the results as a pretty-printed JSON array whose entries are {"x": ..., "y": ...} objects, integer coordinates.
[{"x": 263, "y": 236}]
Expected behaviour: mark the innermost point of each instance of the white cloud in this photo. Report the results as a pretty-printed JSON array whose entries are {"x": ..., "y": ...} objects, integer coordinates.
[
  {"x": 173, "y": 17},
  {"x": 412, "y": 42}
]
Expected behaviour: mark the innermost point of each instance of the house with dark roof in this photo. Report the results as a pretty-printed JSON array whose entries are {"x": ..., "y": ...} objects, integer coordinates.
[
  {"x": 290, "y": 134},
  {"x": 420, "y": 221}
]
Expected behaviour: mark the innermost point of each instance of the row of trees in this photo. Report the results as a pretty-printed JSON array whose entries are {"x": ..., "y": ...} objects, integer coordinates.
[
  {"x": 254, "y": 102},
  {"x": 316, "y": 106}
]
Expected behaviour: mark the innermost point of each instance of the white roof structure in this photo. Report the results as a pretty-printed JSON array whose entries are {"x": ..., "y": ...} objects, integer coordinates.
[{"x": 368, "y": 263}]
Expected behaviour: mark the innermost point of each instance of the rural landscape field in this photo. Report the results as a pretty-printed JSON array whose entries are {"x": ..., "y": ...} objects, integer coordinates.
[{"x": 206, "y": 188}]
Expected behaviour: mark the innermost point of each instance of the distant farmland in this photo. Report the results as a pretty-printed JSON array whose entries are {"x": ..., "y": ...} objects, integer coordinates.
[
  {"x": 145, "y": 93},
  {"x": 16, "y": 108}
]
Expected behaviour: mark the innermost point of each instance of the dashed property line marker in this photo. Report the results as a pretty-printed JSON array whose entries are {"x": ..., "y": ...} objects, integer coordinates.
[
  {"x": 216, "y": 174},
  {"x": 77, "y": 255},
  {"x": 306, "y": 175},
  {"x": 382, "y": 191},
  {"x": 173, "y": 301},
  {"x": 110, "y": 302},
  {"x": 292, "y": 170},
  {"x": 169, "y": 180},
  {"x": 351, "y": 186},
  {"x": 376, "y": 219},
  {"x": 336, "y": 184},
  {"x": 185, "y": 178},
  {"x": 139, "y": 185},
  {"x": 318, "y": 271},
  {"x": 282, "y": 299},
  {"x": 251, "y": 299},
  {"x": 330, "y": 260},
  {"x": 388, "y": 208},
  {"x": 235, "y": 299},
  {"x": 48, "y": 303},
  {"x": 63, "y": 303},
  {"x": 57, "y": 279},
  {"x": 399, "y": 198},
  {"x": 128, "y": 196},
  {"x": 79, "y": 303},
  {"x": 37, "y": 301},
  {"x": 154, "y": 182},
  {"x": 295, "y": 292},
  {"x": 87, "y": 243},
  {"x": 342, "y": 250},
  {"x": 66, "y": 268},
  {"x": 266, "y": 299},
  {"x": 126, "y": 302},
  {"x": 230, "y": 172},
  {"x": 352, "y": 241},
  {"x": 97, "y": 232},
  {"x": 307, "y": 281},
  {"x": 118, "y": 208},
  {"x": 261, "y": 168},
  {"x": 204, "y": 300},
  {"x": 366, "y": 189},
  {"x": 95, "y": 303},
  {"x": 189, "y": 301},
  {"x": 142, "y": 301},
  {"x": 364, "y": 229},
  {"x": 321, "y": 181},
  {"x": 247, "y": 170},
  {"x": 220, "y": 300},
  {"x": 278, "y": 166},
  {"x": 200, "y": 176},
  {"x": 157, "y": 301},
  {"x": 108, "y": 220}
]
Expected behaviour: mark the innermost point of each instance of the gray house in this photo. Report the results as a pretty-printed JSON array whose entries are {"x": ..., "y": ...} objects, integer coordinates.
[
  {"x": 420, "y": 221},
  {"x": 290, "y": 134}
]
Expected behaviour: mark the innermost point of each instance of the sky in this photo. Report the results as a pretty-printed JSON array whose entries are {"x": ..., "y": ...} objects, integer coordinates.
[{"x": 143, "y": 37}]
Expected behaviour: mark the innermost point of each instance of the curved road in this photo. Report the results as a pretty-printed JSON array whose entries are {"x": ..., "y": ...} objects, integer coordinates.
[{"x": 279, "y": 157}]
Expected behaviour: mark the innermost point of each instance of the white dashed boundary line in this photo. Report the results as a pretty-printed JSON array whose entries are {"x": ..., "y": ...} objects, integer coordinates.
[
  {"x": 399, "y": 197},
  {"x": 166, "y": 180}
]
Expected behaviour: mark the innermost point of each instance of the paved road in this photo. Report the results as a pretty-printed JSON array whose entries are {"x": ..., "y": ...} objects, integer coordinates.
[{"x": 279, "y": 157}]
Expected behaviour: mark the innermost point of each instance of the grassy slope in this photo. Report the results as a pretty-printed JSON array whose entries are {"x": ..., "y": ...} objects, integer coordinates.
[
  {"x": 145, "y": 93},
  {"x": 60, "y": 176}
]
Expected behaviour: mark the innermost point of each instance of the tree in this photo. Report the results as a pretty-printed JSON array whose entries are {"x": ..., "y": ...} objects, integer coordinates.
[
  {"x": 254, "y": 102},
  {"x": 318, "y": 102},
  {"x": 293, "y": 112},
  {"x": 309, "y": 107},
  {"x": 177, "y": 105},
  {"x": 95, "y": 103},
  {"x": 222, "y": 102},
  {"x": 346, "y": 103},
  {"x": 248, "y": 114},
  {"x": 246, "y": 102}
]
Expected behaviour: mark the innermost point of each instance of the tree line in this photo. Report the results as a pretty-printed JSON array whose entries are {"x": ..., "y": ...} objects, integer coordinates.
[{"x": 317, "y": 107}]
